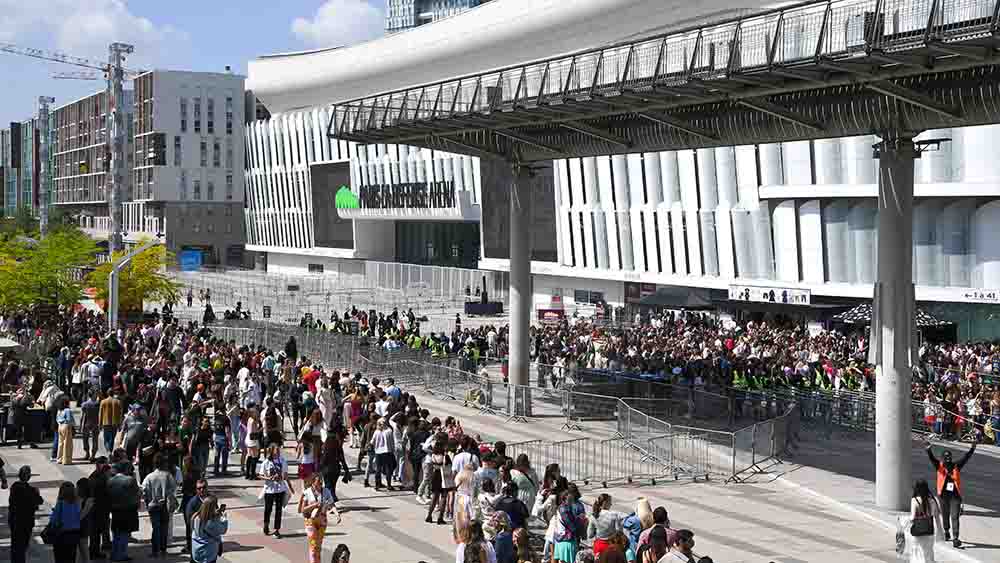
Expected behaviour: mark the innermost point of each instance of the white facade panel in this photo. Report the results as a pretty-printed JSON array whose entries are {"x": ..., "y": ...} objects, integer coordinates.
[
  {"x": 589, "y": 252},
  {"x": 666, "y": 244},
  {"x": 743, "y": 243},
  {"x": 669, "y": 178},
  {"x": 692, "y": 224},
  {"x": 590, "y": 183},
  {"x": 649, "y": 226},
  {"x": 829, "y": 161},
  {"x": 763, "y": 252},
  {"x": 688, "y": 174},
  {"x": 638, "y": 240},
  {"x": 725, "y": 174},
  {"x": 746, "y": 175},
  {"x": 724, "y": 242},
  {"x": 954, "y": 232},
  {"x": 709, "y": 243},
  {"x": 811, "y": 241},
  {"x": 860, "y": 166},
  {"x": 636, "y": 185},
  {"x": 579, "y": 244},
  {"x": 984, "y": 243},
  {"x": 861, "y": 224},
  {"x": 839, "y": 258},
  {"x": 601, "y": 238},
  {"x": 577, "y": 188},
  {"x": 654, "y": 178},
  {"x": 680, "y": 242},
  {"x": 786, "y": 247},
  {"x": 796, "y": 160},
  {"x": 927, "y": 253},
  {"x": 771, "y": 170},
  {"x": 565, "y": 227},
  {"x": 708, "y": 188}
]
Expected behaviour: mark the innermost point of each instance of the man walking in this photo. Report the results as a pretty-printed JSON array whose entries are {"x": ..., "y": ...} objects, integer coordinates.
[
  {"x": 949, "y": 489},
  {"x": 100, "y": 523},
  {"x": 110, "y": 415},
  {"x": 24, "y": 501}
]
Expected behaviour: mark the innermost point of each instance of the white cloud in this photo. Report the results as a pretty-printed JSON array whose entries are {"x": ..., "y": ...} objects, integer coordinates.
[
  {"x": 340, "y": 22},
  {"x": 85, "y": 28}
]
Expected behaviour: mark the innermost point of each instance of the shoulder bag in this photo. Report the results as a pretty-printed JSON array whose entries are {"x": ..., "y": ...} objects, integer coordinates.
[{"x": 923, "y": 523}]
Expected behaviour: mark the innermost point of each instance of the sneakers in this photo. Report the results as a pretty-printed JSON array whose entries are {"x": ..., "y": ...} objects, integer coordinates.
[
  {"x": 956, "y": 543},
  {"x": 423, "y": 500}
]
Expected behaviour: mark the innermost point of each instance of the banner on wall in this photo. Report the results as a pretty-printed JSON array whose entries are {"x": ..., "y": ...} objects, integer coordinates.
[
  {"x": 769, "y": 294},
  {"x": 551, "y": 316}
]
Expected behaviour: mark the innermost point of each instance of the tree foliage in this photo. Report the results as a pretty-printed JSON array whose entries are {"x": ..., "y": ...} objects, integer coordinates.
[
  {"x": 46, "y": 271},
  {"x": 144, "y": 279}
]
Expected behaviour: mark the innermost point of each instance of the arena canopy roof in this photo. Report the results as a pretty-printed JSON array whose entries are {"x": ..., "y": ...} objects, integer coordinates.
[{"x": 497, "y": 34}]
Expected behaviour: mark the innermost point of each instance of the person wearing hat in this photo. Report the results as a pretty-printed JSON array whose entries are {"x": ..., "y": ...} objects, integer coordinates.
[
  {"x": 24, "y": 501},
  {"x": 949, "y": 489}
]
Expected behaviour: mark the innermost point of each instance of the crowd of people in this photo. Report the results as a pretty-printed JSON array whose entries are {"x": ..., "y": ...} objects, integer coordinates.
[{"x": 151, "y": 403}]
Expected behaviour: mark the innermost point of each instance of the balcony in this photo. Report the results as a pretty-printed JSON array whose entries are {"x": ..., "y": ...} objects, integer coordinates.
[
  {"x": 99, "y": 228},
  {"x": 419, "y": 201}
]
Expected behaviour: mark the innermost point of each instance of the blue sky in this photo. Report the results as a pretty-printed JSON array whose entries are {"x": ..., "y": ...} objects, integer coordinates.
[{"x": 202, "y": 35}]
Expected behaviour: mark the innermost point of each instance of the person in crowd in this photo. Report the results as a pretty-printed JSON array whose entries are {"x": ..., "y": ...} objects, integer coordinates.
[
  {"x": 274, "y": 471},
  {"x": 526, "y": 480},
  {"x": 925, "y": 514},
  {"x": 683, "y": 547},
  {"x": 472, "y": 545},
  {"x": 100, "y": 539},
  {"x": 334, "y": 462},
  {"x": 190, "y": 480},
  {"x": 515, "y": 508},
  {"x": 20, "y": 403},
  {"x": 90, "y": 424},
  {"x": 67, "y": 425},
  {"x": 124, "y": 492},
  {"x": 661, "y": 519},
  {"x": 442, "y": 480},
  {"x": 23, "y": 502},
  {"x": 604, "y": 524},
  {"x": 341, "y": 554},
  {"x": 573, "y": 526},
  {"x": 254, "y": 435},
  {"x": 465, "y": 495},
  {"x": 191, "y": 507},
  {"x": 221, "y": 432},
  {"x": 159, "y": 491},
  {"x": 110, "y": 415},
  {"x": 384, "y": 448},
  {"x": 655, "y": 549},
  {"x": 523, "y": 552},
  {"x": 315, "y": 504},
  {"x": 64, "y": 525},
  {"x": 208, "y": 527},
  {"x": 87, "y": 504},
  {"x": 949, "y": 490}
]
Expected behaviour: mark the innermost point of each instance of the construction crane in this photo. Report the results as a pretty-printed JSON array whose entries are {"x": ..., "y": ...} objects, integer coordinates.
[
  {"x": 115, "y": 75},
  {"x": 43, "y": 157},
  {"x": 82, "y": 75}
]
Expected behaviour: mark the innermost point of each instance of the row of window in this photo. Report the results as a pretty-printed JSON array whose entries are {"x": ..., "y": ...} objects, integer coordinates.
[
  {"x": 216, "y": 153},
  {"x": 210, "y": 114},
  {"x": 209, "y": 191}
]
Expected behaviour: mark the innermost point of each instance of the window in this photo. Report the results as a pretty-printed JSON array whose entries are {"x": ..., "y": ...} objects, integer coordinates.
[
  {"x": 315, "y": 268},
  {"x": 210, "y": 227},
  {"x": 197, "y": 115},
  {"x": 229, "y": 154},
  {"x": 211, "y": 116},
  {"x": 216, "y": 155},
  {"x": 584, "y": 296},
  {"x": 204, "y": 153},
  {"x": 229, "y": 211},
  {"x": 197, "y": 190},
  {"x": 196, "y": 227},
  {"x": 184, "y": 115},
  {"x": 183, "y": 185},
  {"x": 229, "y": 228},
  {"x": 177, "y": 151},
  {"x": 229, "y": 192},
  {"x": 229, "y": 115},
  {"x": 210, "y": 193}
]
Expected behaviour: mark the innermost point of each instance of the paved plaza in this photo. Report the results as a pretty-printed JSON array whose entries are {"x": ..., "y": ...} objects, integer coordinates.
[{"x": 787, "y": 515}]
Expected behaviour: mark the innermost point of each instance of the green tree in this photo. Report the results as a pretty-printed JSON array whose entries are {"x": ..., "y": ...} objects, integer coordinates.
[
  {"x": 46, "y": 271},
  {"x": 143, "y": 280}
]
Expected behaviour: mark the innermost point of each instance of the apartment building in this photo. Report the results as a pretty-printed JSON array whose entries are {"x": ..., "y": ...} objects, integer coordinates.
[{"x": 184, "y": 163}]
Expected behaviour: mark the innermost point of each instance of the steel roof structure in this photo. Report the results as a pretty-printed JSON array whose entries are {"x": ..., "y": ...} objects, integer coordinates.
[{"x": 815, "y": 70}]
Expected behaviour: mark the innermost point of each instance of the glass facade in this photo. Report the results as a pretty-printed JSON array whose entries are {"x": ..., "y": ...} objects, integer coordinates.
[{"x": 405, "y": 14}]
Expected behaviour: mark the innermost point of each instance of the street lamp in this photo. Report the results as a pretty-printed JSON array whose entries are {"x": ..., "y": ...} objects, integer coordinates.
[{"x": 115, "y": 274}]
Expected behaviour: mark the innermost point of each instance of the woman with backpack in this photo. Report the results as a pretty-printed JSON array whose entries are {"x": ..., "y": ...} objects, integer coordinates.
[
  {"x": 572, "y": 526},
  {"x": 924, "y": 511}
]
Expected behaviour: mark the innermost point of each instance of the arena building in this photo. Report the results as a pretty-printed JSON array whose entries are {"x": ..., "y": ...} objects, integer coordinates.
[{"x": 789, "y": 223}]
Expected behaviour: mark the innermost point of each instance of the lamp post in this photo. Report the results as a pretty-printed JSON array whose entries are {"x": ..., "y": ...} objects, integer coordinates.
[{"x": 116, "y": 274}]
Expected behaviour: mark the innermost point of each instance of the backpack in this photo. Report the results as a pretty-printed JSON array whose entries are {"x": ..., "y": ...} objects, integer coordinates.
[{"x": 633, "y": 529}]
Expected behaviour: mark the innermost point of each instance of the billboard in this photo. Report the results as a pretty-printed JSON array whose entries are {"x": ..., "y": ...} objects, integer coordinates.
[
  {"x": 496, "y": 182},
  {"x": 190, "y": 260},
  {"x": 330, "y": 230}
]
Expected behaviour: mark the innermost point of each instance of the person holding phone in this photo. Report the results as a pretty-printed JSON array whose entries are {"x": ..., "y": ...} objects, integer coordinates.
[
  {"x": 314, "y": 505},
  {"x": 274, "y": 470},
  {"x": 208, "y": 526}
]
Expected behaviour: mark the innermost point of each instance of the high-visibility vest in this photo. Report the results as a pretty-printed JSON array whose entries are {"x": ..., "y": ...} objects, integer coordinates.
[{"x": 942, "y": 474}]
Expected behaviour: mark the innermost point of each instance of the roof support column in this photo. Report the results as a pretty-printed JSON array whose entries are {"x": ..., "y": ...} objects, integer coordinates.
[
  {"x": 892, "y": 323},
  {"x": 520, "y": 287}
]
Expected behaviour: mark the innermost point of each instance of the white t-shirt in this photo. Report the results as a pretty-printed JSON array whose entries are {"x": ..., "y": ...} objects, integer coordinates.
[
  {"x": 458, "y": 464},
  {"x": 270, "y": 467}
]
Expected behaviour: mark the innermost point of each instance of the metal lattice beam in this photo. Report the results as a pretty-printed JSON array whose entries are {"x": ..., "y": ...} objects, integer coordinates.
[
  {"x": 678, "y": 124},
  {"x": 598, "y": 133},
  {"x": 781, "y": 113}
]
